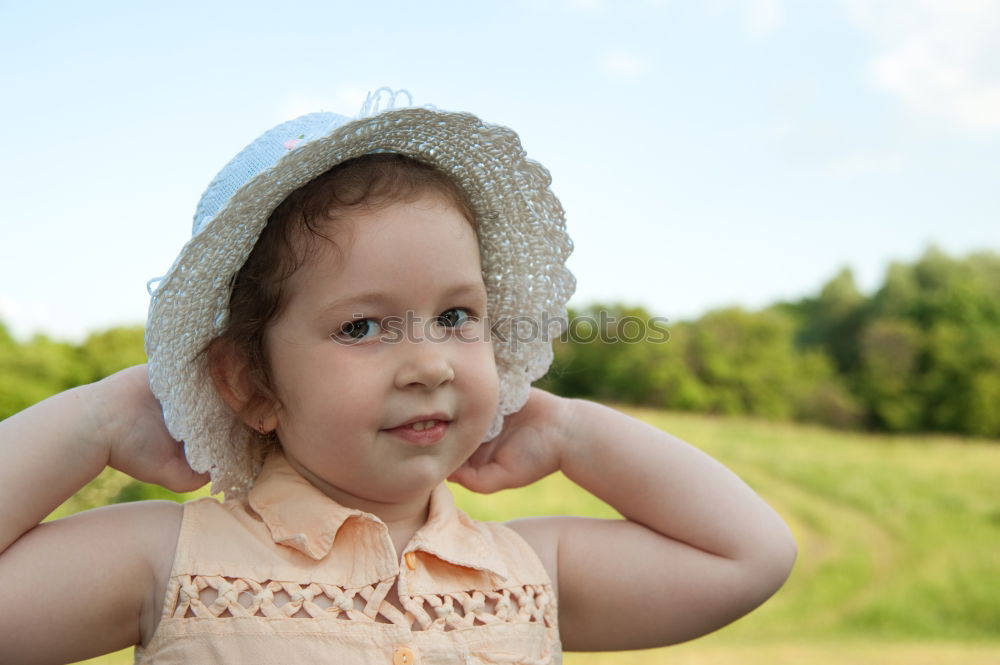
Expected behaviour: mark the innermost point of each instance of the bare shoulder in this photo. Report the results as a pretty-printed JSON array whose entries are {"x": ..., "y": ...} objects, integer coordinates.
[
  {"x": 145, "y": 531},
  {"x": 157, "y": 524},
  {"x": 542, "y": 534},
  {"x": 158, "y": 534},
  {"x": 96, "y": 578}
]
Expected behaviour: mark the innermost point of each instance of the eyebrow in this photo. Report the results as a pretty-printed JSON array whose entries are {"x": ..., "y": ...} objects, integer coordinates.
[{"x": 379, "y": 299}]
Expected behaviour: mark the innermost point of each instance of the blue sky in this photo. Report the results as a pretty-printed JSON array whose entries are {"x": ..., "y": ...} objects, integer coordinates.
[{"x": 726, "y": 152}]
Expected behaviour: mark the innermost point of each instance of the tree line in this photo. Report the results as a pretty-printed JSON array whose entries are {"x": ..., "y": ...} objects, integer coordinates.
[{"x": 920, "y": 354}]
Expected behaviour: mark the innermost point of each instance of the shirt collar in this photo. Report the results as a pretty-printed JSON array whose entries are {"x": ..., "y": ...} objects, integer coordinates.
[{"x": 300, "y": 516}]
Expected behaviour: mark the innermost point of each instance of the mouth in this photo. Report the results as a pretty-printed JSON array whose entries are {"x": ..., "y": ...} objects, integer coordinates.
[
  {"x": 421, "y": 425},
  {"x": 422, "y": 430}
]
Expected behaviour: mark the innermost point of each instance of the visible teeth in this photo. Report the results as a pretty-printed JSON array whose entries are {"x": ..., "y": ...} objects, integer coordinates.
[{"x": 421, "y": 426}]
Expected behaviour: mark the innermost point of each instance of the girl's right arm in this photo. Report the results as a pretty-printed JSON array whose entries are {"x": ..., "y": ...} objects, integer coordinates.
[{"x": 91, "y": 583}]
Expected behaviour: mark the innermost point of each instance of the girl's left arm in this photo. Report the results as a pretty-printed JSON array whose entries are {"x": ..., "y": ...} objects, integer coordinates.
[{"x": 698, "y": 547}]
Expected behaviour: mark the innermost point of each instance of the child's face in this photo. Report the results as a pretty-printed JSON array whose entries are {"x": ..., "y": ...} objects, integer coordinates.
[{"x": 389, "y": 328}]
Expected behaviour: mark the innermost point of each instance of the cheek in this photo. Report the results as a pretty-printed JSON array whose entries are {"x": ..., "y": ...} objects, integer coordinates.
[
  {"x": 349, "y": 383},
  {"x": 326, "y": 385},
  {"x": 484, "y": 375}
]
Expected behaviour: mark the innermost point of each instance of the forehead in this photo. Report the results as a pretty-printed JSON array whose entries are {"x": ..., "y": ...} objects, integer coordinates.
[{"x": 425, "y": 242}]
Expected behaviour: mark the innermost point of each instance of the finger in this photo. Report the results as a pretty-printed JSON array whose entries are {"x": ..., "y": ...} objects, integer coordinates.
[
  {"x": 467, "y": 471},
  {"x": 483, "y": 454},
  {"x": 461, "y": 475}
]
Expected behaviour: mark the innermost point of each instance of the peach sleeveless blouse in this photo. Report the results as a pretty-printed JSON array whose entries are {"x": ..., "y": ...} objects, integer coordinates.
[{"x": 286, "y": 576}]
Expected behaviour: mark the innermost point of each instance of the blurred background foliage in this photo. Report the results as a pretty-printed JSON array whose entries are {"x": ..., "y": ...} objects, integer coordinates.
[{"x": 922, "y": 354}]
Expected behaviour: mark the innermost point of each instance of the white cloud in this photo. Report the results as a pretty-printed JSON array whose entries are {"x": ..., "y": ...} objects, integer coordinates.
[
  {"x": 586, "y": 6},
  {"x": 764, "y": 16},
  {"x": 623, "y": 65},
  {"x": 940, "y": 57},
  {"x": 761, "y": 16}
]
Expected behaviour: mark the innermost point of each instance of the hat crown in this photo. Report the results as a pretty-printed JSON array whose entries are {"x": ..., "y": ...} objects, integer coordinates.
[{"x": 261, "y": 155}]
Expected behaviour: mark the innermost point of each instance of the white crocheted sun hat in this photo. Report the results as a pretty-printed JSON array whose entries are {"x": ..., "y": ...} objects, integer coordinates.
[{"x": 522, "y": 238}]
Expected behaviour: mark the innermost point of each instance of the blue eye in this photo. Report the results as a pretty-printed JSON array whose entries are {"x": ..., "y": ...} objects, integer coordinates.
[
  {"x": 357, "y": 329},
  {"x": 454, "y": 317}
]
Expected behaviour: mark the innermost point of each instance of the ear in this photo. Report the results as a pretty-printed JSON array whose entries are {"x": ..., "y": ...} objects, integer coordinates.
[{"x": 230, "y": 373}]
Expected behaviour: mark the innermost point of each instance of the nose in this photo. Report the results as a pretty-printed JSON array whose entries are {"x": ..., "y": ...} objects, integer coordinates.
[{"x": 425, "y": 363}]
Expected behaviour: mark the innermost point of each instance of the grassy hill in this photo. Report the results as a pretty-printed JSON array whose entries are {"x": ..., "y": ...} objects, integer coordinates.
[{"x": 899, "y": 541}]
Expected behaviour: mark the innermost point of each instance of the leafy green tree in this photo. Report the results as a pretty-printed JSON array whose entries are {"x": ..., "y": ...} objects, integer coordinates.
[
  {"x": 35, "y": 370},
  {"x": 112, "y": 350},
  {"x": 833, "y": 320},
  {"x": 890, "y": 355},
  {"x": 598, "y": 354},
  {"x": 939, "y": 288},
  {"x": 931, "y": 347},
  {"x": 960, "y": 379},
  {"x": 751, "y": 365},
  {"x": 40, "y": 367}
]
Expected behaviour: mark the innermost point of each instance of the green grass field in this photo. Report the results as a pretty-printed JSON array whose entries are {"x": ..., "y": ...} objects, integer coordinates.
[{"x": 899, "y": 545}]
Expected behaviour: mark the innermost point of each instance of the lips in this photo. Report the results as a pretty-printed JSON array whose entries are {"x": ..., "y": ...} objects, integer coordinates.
[
  {"x": 438, "y": 416},
  {"x": 422, "y": 430}
]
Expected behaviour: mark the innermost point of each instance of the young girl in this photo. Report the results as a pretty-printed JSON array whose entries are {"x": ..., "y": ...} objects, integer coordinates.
[{"x": 355, "y": 320}]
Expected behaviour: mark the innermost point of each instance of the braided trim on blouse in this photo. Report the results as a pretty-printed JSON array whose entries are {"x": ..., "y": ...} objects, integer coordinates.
[{"x": 215, "y": 597}]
